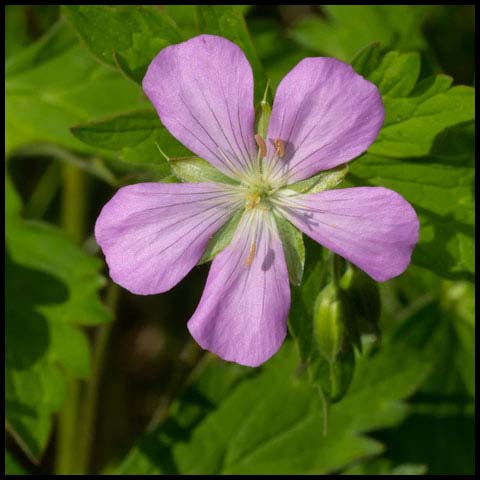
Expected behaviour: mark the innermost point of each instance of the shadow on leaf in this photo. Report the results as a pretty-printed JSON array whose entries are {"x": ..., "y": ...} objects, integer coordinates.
[{"x": 27, "y": 335}]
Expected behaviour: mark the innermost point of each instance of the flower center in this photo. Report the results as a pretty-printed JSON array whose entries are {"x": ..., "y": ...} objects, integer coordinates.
[
  {"x": 259, "y": 187},
  {"x": 258, "y": 196}
]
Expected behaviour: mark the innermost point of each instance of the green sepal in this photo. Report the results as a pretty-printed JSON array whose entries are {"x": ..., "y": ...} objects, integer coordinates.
[
  {"x": 293, "y": 248},
  {"x": 221, "y": 239},
  {"x": 328, "y": 323},
  {"x": 335, "y": 377},
  {"x": 196, "y": 170},
  {"x": 322, "y": 181}
]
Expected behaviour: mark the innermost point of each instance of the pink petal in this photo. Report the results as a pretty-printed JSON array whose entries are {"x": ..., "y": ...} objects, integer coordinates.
[
  {"x": 153, "y": 234},
  {"x": 242, "y": 315},
  {"x": 326, "y": 114},
  {"x": 203, "y": 92},
  {"x": 373, "y": 227}
]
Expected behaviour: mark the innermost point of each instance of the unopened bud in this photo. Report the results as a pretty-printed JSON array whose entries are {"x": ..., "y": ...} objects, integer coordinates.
[{"x": 328, "y": 324}]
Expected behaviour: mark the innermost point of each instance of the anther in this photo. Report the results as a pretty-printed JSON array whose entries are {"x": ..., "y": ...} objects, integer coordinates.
[
  {"x": 251, "y": 255},
  {"x": 262, "y": 148},
  {"x": 280, "y": 147}
]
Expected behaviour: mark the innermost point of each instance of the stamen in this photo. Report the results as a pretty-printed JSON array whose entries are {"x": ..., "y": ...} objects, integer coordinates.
[
  {"x": 261, "y": 145},
  {"x": 280, "y": 147},
  {"x": 253, "y": 200},
  {"x": 251, "y": 255}
]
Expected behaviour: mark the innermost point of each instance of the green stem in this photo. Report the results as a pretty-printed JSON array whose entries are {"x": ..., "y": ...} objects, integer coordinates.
[
  {"x": 66, "y": 430},
  {"x": 73, "y": 220},
  {"x": 190, "y": 358},
  {"x": 93, "y": 165},
  {"x": 335, "y": 266},
  {"x": 324, "y": 410},
  {"x": 87, "y": 426},
  {"x": 74, "y": 205},
  {"x": 44, "y": 192}
]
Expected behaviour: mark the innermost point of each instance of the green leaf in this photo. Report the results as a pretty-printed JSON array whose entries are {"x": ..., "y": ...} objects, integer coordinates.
[
  {"x": 397, "y": 74},
  {"x": 125, "y": 36},
  {"x": 348, "y": 28},
  {"x": 13, "y": 202},
  {"x": 24, "y": 23},
  {"x": 12, "y": 467},
  {"x": 16, "y": 29},
  {"x": 186, "y": 17},
  {"x": 362, "y": 295},
  {"x": 326, "y": 180},
  {"x": 135, "y": 137},
  {"x": 54, "y": 84},
  {"x": 52, "y": 287},
  {"x": 31, "y": 397},
  {"x": 293, "y": 248},
  {"x": 367, "y": 59},
  {"x": 440, "y": 430},
  {"x": 425, "y": 152},
  {"x": 228, "y": 21},
  {"x": 40, "y": 246},
  {"x": 440, "y": 187},
  {"x": 278, "y": 54},
  {"x": 333, "y": 377},
  {"x": 196, "y": 170},
  {"x": 300, "y": 320},
  {"x": 416, "y": 114},
  {"x": 280, "y": 431},
  {"x": 221, "y": 238},
  {"x": 383, "y": 466},
  {"x": 412, "y": 133}
]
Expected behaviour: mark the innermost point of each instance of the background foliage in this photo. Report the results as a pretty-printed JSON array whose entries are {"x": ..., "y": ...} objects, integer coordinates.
[{"x": 99, "y": 380}]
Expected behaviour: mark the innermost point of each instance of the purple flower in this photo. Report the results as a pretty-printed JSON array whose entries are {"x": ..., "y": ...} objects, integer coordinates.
[{"x": 324, "y": 115}]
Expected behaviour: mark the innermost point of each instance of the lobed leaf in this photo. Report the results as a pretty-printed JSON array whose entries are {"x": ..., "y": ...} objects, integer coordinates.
[
  {"x": 134, "y": 137},
  {"x": 51, "y": 287},
  {"x": 425, "y": 152},
  {"x": 271, "y": 422},
  {"x": 54, "y": 84},
  {"x": 347, "y": 28},
  {"x": 125, "y": 36}
]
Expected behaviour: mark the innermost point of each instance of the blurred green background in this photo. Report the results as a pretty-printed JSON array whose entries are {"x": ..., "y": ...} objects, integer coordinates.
[{"x": 145, "y": 356}]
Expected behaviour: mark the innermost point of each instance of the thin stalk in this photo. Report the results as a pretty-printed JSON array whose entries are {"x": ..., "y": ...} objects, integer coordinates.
[
  {"x": 87, "y": 426},
  {"x": 92, "y": 165},
  {"x": 44, "y": 192},
  {"x": 335, "y": 269},
  {"x": 189, "y": 360},
  {"x": 324, "y": 410},
  {"x": 67, "y": 429},
  {"x": 74, "y": 206}
]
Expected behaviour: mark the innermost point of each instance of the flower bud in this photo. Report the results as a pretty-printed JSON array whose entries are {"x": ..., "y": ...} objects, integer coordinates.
[
  {"x": 334, "y": 378},
  {"x": 328, "y": 324}
]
